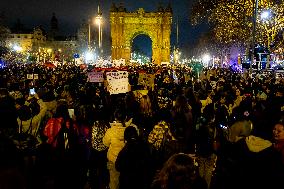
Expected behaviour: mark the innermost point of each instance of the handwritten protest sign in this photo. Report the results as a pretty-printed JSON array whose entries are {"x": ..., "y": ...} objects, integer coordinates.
[
  {"x": 95, "y": 77},
  {"x": 30, "y": 76},
  {"x": 35, "y": 76},
  {"x": 117, "y": 82}
]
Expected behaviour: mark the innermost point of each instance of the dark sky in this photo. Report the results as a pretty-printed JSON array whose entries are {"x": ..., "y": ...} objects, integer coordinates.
[{"x": 70, "y": 14}]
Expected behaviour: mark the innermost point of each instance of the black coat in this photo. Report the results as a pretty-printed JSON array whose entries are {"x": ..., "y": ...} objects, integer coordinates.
[
  {"x": 133, "y": 163},
  {"x": 242, "y": 168}
]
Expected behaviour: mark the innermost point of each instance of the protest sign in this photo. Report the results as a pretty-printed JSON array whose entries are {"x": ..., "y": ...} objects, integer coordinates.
[
  {"x": 117, "y": 82},
  {"x": 95, "y": 77},
  {"x": 35, "y": 76},
  {"x": 30, "y": 76}
]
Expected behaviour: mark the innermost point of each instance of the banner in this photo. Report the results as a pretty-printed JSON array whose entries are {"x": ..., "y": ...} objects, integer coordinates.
[
  {"x": 146, "y": 79},
  {"x": 35, "y": 76},
  {"x": 30, "y": 76},
  {"x": 117, "y": 82},
  {"x": 95, "y": 77}
]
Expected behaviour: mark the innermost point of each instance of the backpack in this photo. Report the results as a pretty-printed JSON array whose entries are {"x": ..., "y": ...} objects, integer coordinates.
[
  {"x": 26, "y": 142},
  {"x": 65, "y": 141}
]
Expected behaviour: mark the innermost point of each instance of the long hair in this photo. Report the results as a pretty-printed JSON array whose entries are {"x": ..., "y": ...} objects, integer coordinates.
[
  {"x": 177, "y": 173},
  {"x": 62, "y": 111},
  {"x": 85, "y": 115},
  {"x": 145, "y": 105},
  {"x": 181, "y": 105}
]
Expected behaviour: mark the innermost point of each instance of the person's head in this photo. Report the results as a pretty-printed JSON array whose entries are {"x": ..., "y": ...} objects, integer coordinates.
[
  {"x": 85, "y": 114},
  {"x": 130, "y": 134},
  {"x": 145, "y": 104},
  {"x": 178, "y": 172},
  {"x": 278, "y": 131},
  {"x": 62, "y": 110},
  {"x": 24, "y": 113},
  {"x": 181, "y": 104},
  {"x": 120, "y": 115},
  {"x": 238, "y": 92}
]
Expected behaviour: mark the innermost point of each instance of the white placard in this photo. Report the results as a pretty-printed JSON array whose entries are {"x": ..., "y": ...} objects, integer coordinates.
[
  {"x": 117, "y": 82},
  {"x": 35, "y": 76},
  {"x": 30, "y": 76}
]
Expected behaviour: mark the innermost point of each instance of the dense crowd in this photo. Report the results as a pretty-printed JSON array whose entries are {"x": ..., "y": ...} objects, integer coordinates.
[{"x": 215, "y": 129}]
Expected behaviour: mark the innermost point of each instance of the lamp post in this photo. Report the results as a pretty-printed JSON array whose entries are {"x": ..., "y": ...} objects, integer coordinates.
[
  {"x": 89, "y": 37},
  {"x": 253, "y": 33},
  {"x": 98, "y": 21}
]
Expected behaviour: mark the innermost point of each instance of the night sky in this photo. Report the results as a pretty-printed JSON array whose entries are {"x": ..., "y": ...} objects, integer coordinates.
[{"x": 71, "y": 13}]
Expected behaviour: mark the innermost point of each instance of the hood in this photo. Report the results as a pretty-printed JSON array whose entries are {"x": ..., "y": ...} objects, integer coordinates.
[
  {"x": 119, "y": 124},
  {"x": 257, "y": 144},
  {"x": 116, "y": 124}
]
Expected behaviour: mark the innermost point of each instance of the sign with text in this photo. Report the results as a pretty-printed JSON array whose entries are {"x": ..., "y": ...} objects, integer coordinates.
[
  {"x": 117, "y": 82},
  {"x": 30, "y": 76},
  {"x": 35, "y": 76},
  {"x": 95, "y": 77}
]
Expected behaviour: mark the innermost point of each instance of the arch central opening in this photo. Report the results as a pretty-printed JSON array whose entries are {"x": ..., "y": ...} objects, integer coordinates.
[{"x": 141, "y": 49}]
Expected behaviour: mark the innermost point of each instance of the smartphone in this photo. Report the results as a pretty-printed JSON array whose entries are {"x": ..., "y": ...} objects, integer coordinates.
[
  {"x": 32, "y": 91},
  {"x": 71, "y": 112}
]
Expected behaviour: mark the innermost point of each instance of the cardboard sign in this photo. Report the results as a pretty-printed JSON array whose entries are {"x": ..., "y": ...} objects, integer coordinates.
[
  {"x": 95, "y": 77},
  {"x": 30, "y": 76},
  {"x": 35, "y": 76},
  {"x": 117, "y": 82}
]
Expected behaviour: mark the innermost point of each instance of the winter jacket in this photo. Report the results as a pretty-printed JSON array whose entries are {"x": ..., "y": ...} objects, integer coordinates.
[
  {"x": 251, "y": 163},
  {"x": 35, "y": 121},
  {"x": 114, "y": 139}
]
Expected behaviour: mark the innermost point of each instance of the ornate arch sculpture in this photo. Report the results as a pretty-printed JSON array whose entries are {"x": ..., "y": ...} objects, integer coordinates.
[{"x": 125, "y": 26}]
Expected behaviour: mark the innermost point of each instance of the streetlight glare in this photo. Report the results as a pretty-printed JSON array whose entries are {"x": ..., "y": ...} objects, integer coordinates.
[
  {"x": 89, "y": 56},
  {"x": 17, "y": 48},
  {"x": 98, "y": 20},
  {"x": 206, "y": 58},
  {"x": 265, "y": 15}
]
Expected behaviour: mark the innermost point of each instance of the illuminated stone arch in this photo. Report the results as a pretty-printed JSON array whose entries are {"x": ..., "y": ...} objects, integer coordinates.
[{"x": 125, "y": 26}]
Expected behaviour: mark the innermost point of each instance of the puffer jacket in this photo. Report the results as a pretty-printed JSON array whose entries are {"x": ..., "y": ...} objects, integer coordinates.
[{"x": 114, "y": 138}]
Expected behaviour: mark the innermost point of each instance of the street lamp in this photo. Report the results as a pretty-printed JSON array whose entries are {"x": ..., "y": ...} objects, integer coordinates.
[
  {"x": 98, "y": 21},
  {"x": 253, "y": 33},
  {"x": 265, "y": 15}
]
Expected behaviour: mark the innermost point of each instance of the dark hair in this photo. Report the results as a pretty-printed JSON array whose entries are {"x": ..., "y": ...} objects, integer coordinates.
[
  {"x": 62, "y": 111},
  {"x": 85, "y": 114},
  {"x": 24, "y": 113},
  {"x": 177, "y": 173},
  {"x": 181, "y": 105},
  {"x": 119, "y": 115},
  {"x": 209, "y": 112},
  {"x": 130, "y": 134},
  {"x": 35, "y": 107}
]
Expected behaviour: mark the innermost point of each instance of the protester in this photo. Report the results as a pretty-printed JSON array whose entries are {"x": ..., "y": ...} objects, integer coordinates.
[{"x": 179, "y": 172}]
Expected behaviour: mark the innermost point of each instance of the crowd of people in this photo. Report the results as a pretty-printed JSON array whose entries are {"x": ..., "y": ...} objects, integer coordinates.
[{"x": 212, "y": 130}]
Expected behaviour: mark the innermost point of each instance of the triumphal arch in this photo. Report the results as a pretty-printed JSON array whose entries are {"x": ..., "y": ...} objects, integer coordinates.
[{"x": 125, "y": 26}]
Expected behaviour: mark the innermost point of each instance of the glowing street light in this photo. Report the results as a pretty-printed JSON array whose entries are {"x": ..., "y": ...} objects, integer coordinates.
[
  {"x": 17, "y": 48},
  {"x": 205, "y": 59},
  {"x": 89, "y": 56},
  {"x": 98, "y": 21},
  {"x": 265, "y": 15}
]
